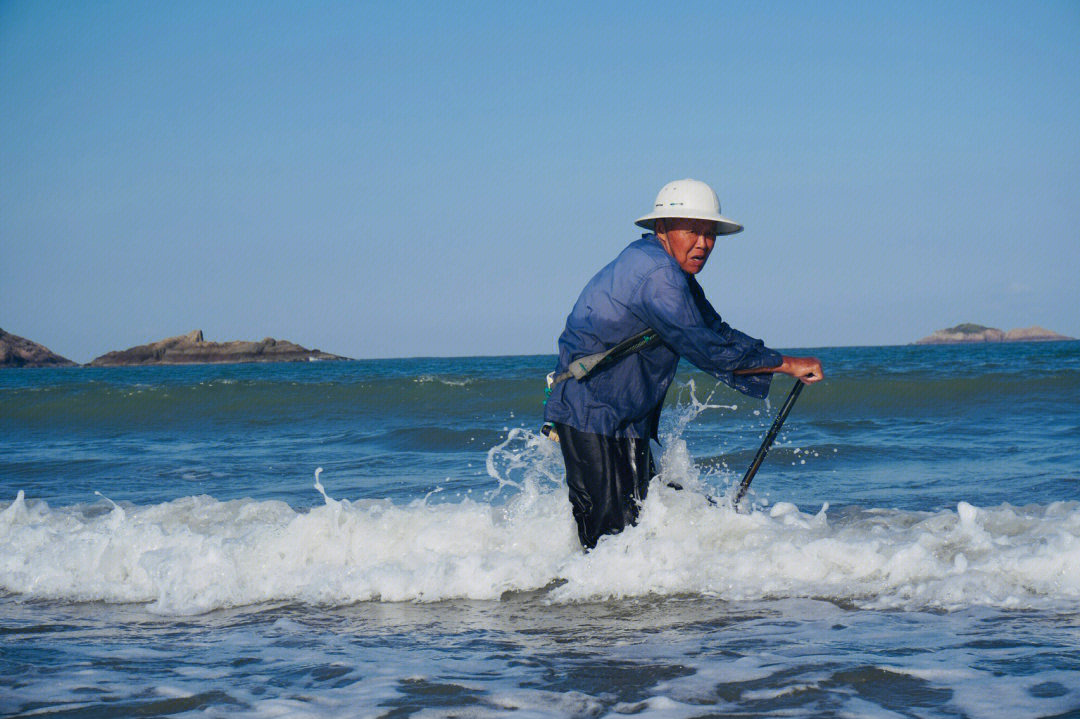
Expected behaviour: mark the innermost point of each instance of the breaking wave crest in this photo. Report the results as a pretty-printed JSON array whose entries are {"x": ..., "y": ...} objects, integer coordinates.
[{"x": 197, "y": 554}]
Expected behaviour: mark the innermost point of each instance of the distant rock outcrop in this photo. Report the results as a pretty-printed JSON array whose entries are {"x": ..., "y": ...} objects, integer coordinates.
[
  {"x": 978, "y": 333},
  {"x": 1033, "y": 334},
  {"x": 18, "y": 351},
  {"x": 192, "y": 349}
]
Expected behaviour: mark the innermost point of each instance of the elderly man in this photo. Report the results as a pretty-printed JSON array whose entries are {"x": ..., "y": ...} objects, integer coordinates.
[{"x": 604, "y": 420}]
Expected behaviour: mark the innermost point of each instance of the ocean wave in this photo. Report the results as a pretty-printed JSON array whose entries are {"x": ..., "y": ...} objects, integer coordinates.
[
  {"x": 844, "y": 398},
  {"x": 170, "y": 404},
  {"x": 197, "y": 554}
]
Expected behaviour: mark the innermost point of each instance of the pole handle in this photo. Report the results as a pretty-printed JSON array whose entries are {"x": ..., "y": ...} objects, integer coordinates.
[{"x": 767, "y": 443}]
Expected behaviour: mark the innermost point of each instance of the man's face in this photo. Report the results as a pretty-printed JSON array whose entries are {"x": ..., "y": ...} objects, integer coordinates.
[{"x": 689, "y": 241}]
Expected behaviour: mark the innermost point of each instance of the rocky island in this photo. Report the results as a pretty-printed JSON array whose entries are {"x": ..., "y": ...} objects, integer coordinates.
[
  {"x": 18, "y": 351},
  {"x": 193, "y": 349},
  {"x": 969, "y": 332}
]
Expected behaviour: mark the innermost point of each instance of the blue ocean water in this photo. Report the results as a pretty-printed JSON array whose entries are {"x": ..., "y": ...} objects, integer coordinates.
[{"x": 393, "y": 538}]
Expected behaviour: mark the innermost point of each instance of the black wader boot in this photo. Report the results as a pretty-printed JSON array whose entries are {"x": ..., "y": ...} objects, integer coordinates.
[{"x": 608, "y": 478}]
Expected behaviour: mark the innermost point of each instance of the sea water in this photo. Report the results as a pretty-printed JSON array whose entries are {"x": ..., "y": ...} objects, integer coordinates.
[{"x": 393, "y": 538}]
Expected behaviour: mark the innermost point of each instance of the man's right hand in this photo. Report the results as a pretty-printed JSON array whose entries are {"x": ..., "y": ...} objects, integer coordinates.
[{"x": 805, "y": 369}]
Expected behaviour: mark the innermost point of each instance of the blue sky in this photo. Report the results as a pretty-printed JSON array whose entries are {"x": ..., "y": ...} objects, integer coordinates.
[{"x": 401, "y": 179}]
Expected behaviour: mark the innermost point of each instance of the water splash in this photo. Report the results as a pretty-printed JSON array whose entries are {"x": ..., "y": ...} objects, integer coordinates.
[
  {"x": 526, "y": 461},
  {"x": 117, "y": 515},
  {"x": 676, "y": 464}
]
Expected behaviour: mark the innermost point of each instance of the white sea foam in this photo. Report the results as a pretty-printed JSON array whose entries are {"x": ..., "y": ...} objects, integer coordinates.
[
  {"x": 427, "y": 378},
  {"x": 197, "y": 553}
]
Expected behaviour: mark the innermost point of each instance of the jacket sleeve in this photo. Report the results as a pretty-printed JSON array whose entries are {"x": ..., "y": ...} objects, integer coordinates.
[{"x": 676, "y": 308}]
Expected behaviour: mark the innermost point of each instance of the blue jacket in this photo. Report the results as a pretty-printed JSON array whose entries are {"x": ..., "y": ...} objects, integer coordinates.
[{"x": 645, "y": 287}]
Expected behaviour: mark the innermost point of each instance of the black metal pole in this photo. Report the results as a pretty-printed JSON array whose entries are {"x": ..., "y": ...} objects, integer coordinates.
[{"x": 764, "y": 449}]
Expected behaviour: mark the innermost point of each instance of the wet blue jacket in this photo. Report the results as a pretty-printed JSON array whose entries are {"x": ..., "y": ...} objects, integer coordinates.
[{"x": 645, "y": 287}]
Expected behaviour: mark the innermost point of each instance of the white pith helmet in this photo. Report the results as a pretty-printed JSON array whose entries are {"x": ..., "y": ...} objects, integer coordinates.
[{"x": 692, "y": 200}]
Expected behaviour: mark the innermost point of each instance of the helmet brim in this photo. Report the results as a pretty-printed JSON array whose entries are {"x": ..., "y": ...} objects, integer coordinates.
[{"x": 724, "y": 225}]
